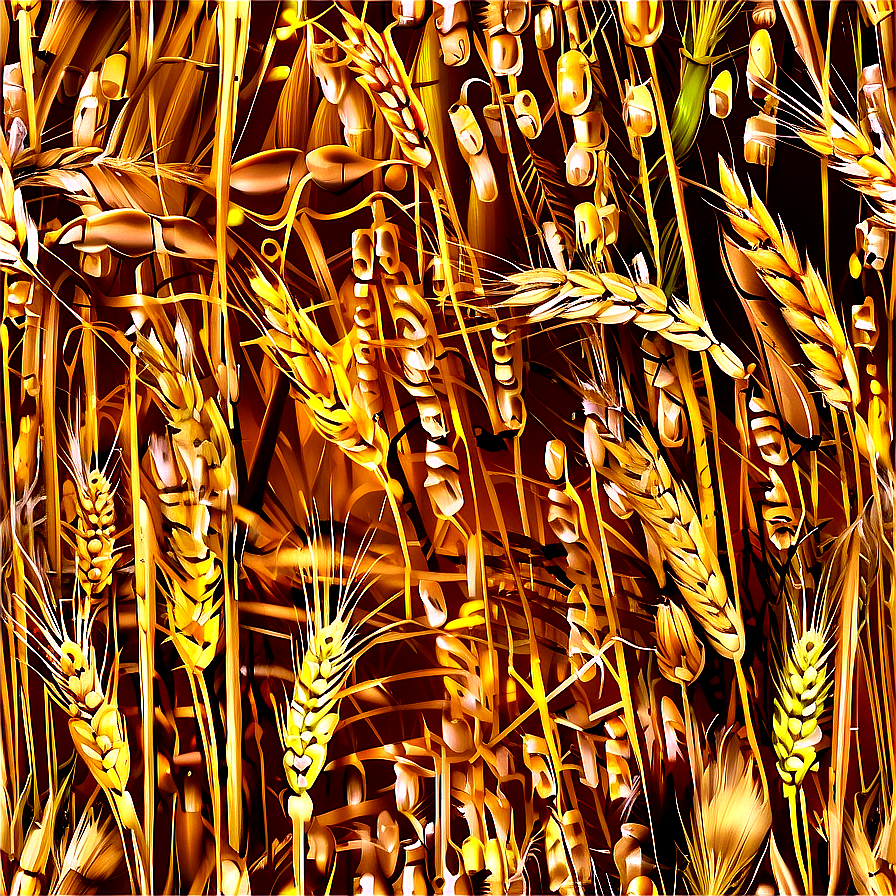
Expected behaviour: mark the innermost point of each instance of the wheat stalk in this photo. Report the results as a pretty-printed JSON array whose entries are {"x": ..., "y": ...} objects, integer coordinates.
[
  {"x": 95, "y": 723},
  {"x": 331, "y": 648}
]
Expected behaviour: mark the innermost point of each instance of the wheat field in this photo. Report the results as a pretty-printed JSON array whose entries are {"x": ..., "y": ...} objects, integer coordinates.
[{"x": 447, "y": 447}]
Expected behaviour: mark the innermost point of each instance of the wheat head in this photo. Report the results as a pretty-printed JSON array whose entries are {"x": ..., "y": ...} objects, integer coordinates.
[
  {"x": 382, "y": 74},
  {"x": 641, "y": 481},
  {"x": 729, "y": 820},
  {"x": 608, "y": 298},
  {"x": 805, "y": 302},
  {"x": 193, "y": 469},
  {"x": 320, "y": 374},
  {"x": 679, "y": 653},
  {"x": 802, "y": 685},
  {"x": 311, "y": 717}
]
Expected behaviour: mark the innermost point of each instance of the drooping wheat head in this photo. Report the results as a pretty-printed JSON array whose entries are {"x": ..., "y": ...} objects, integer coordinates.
[{"x": 863, "y": 152}]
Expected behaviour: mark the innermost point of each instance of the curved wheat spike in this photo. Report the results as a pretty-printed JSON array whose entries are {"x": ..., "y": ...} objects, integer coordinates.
[
  {"x": 606, "y": 298},
  {"x": 640, "y": 480},
  {"x": 804, "y": 298},
  {"x": 382, "y": 74},
  {"x": 319, "y": 373}
]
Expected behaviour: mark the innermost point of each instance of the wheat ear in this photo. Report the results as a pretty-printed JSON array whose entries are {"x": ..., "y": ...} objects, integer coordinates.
[
  {"x": 193, "y": 469},
  {"x": 319, "y": 373},
  {"x": 730, "y": 818},
  {"x": 870, "y": 169},
  {"x": 802, "y": 686},
  {"x": 640, "y": 480},
  {"x": 381, "y": 72},
  {"x": 805, "y": 301},
  {"x": 608, "y": 298}
]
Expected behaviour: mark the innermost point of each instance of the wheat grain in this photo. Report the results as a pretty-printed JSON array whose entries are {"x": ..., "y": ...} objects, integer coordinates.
[{"x": 781, "y": 521}]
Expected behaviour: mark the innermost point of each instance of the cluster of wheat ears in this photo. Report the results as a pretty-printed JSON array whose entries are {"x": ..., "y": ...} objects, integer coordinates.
[{"x": 447, "y": 447}]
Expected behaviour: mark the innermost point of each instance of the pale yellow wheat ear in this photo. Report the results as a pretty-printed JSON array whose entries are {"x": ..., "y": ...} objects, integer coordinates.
[
  {"x": 546, "y": 294},
  {"x": 802, "y": 683},
  {"x": 328, "y": 650},
  {"x": 730, "y": 819}
]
